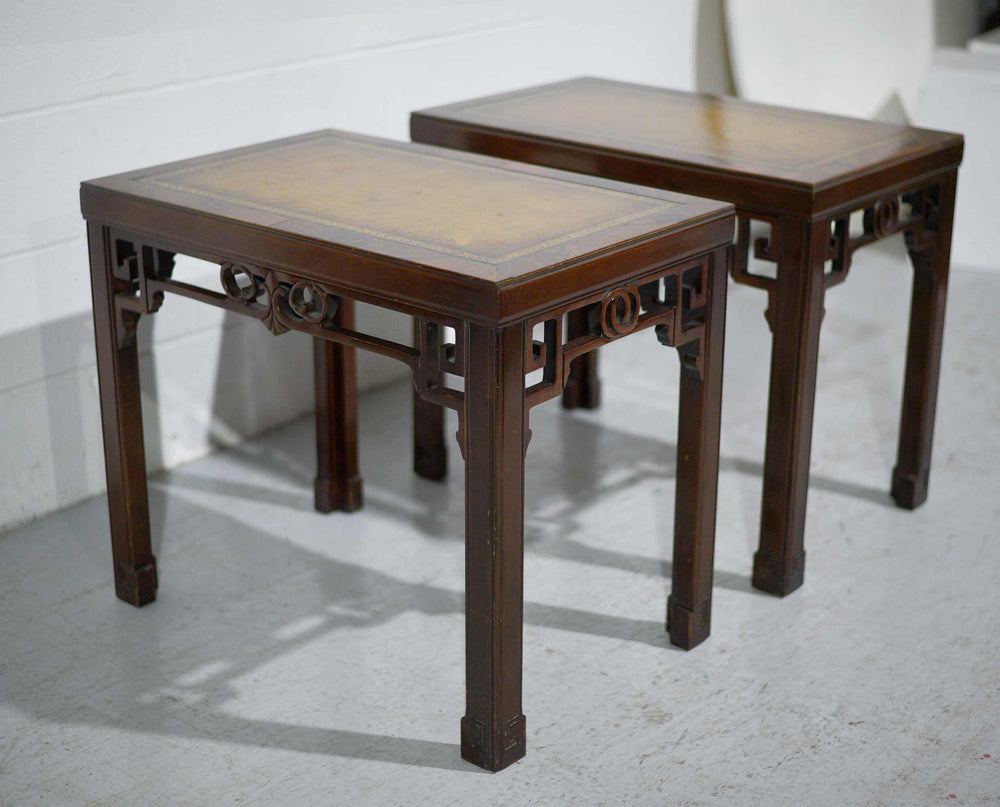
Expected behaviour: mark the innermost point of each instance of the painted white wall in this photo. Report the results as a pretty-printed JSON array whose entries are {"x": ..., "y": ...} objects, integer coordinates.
[
  {"x": 90, "y": 89},
  {"x": 865, "y": 58}
]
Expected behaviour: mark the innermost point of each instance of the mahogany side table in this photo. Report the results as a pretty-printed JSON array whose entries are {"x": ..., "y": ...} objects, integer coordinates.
[
  {"x": 800, "y": 173},
  {"x": 499, "y": 252}
]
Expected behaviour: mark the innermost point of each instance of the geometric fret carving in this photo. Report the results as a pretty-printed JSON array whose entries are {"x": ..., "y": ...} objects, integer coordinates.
[
  {"x": 130, "y": 272},
  {"x": 283, "y": 302},
  {"x": 671, "y": 301},
  {"x": 913, "y": 213},
  {"x": 765, "y": 248},
  {"x": 436, "y": 361},
  {"x": 920, "y": 240},
  {"x": 881, "y": 219}
]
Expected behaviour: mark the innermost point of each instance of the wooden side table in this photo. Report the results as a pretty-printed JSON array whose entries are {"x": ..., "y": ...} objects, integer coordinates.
[
  {"x": 802, "y": 174},
  {"x": 499, "y": 252}
]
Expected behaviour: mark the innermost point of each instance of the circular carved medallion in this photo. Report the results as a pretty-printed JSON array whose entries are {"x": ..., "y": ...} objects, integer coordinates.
[{"x": 620, "y": 312}]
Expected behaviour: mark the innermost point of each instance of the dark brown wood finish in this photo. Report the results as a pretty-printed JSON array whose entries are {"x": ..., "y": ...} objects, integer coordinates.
[
  {"x": 779, "y": 564},
  {"x": 495, "y": 437},
  {"x": 803, "y": 174},
  {"x": 689, "y": 606},
  {"x": 111, "y": 272},
  {"x": 931, "y": 259},
  {"x": 338, "y": 483},
  {"x": 485, "y": 248},
  {"x": 583, "y": 387},
  {"x": 766, "y": 159},
  {"x": 430, "y": 455}
]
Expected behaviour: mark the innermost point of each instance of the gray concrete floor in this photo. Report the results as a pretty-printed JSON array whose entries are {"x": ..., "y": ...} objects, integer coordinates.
[{"x": 295, "y": 658}]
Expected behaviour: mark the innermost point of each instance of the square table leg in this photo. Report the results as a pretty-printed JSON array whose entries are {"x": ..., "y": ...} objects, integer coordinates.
[
  {"x": 689, "y": 605},
  {"x": 121, "y": 418},
  {"x": 338, "y": 483},
  {"x": 494, "y": 434},
  {"x": 923, "y": 353},
  {"x": 797, "y": 311}
]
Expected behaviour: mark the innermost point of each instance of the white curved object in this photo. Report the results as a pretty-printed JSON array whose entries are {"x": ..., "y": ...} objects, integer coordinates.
[{"x": 864, "y": 58}]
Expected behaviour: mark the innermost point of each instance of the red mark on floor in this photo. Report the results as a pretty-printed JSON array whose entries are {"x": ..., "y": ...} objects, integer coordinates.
[
  {"x": 952, "y": 796},
  {"x": 986, "y": 756}
]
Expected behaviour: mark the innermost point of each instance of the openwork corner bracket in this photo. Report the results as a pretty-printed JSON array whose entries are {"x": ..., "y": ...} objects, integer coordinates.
[
  {"x": 282, "y": 305},
  {"x": 435, "y": 359},
  {"x": 685, "y": 331},
  {"x": 672, "y": 301},
  {"x": 765, "y": 248},
  {"x": 914, "y": 213},
  {"x": 133, "y": 266}
]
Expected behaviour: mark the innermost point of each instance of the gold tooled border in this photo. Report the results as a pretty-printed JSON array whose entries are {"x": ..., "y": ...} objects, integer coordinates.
[{"x": 159, "y": 180}]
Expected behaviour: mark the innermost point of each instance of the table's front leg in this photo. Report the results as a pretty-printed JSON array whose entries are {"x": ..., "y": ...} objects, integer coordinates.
[
  {"x": 797, "y": 311},
  {"x": 689, "y": 605},
  {"x": 923, "y": 353},
  {"x": 338, "y": 483},
  {"x": 494, "y": 437},
  {"x": 121, "y": 417}
]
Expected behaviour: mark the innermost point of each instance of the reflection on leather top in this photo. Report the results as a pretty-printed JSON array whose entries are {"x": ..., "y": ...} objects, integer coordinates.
[{"x": 720, "y": 132}]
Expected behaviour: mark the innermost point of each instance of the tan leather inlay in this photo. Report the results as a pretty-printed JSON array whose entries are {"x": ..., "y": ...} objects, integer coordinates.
[
  {"x": 460, "y": 208},
  {"x": 674, "y": 125}
]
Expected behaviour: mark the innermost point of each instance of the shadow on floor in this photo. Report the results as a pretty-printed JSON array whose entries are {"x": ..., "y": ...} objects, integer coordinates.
[
  {"x": 255, "y": 596},
  {"x": 595, "y": 463},
  {"x": 248, "y": 598}
]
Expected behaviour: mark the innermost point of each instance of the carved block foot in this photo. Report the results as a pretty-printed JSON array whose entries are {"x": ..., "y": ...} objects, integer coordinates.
[
  {"x": 430, "y": 462},
  {"x": 688, "y": 627},
  {"x": 136, "y": 586},
  {"x": 908, "y": 490},
  {"x": 331, "y": 496},
  {"x": 776, "y": 575},
  {"x": 494, "y": 756}
]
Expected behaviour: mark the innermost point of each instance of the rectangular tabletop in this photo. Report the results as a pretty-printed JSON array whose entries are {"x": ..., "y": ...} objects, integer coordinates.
[
  {"x": 800, "y": 158},
  {"x": 466, "y": 219}
]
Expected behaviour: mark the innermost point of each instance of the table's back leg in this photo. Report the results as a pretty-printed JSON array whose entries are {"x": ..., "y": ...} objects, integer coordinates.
[
  {"x": 121, "y": 417},
  {"x": 923, "y": 354},
  {"x": 689, "y": 605},
  {"x": 430, "y": 455},
  {"x": 494, "y": 431},
  {"x": 583, "y": 385},
  {"x": 797, "y": 306},
  {"x": 338, "y": 482}
]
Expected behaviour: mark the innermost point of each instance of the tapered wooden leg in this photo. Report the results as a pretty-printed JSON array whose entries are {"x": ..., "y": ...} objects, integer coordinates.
[
  {"x": 689, "y": 606},
  {"x": 798, "y": 310},
  {"x": 583, "y": 386},
  {"x": 923, "y": 356},
  {"x": 121, "y": 419},
  {"x": 430, "y": 456},
  {"x": 493, "y": 729},
  {"x": 338, "y": 483}
]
